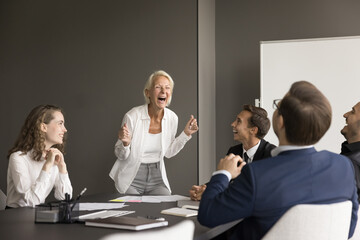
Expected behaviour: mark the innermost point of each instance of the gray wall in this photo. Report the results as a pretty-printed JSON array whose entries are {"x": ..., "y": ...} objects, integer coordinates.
[
  {"x": 92, "y": 58},
  {"x": 207, "y": 89},
  {"x": 241, "y": 25}
]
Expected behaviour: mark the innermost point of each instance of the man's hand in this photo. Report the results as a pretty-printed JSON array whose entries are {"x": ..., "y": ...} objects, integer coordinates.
[
  {"x": 230, "y": 164},
  {"x": 196, "y": 192}
]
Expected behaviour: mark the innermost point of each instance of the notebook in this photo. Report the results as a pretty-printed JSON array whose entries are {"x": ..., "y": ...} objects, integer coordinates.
[
  {"x": 182, "y": 212},
  {"x": 129, "y": 223},
  {"x": 189, "y": 204}
]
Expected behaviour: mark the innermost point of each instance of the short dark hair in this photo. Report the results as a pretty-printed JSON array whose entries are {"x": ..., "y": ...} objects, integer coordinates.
[
  {"x": 306, "y": 113},
  {"x": 259, "y": 118}
]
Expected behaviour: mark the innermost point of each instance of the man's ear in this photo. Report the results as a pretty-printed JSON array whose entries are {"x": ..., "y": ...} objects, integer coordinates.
[
  {"x": 43, "y": 127},
  {"x": 254, "y": 130},
  {"x": 281, "y": 122}
]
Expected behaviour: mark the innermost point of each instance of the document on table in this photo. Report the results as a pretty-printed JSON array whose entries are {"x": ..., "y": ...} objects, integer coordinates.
[
  {"x": 99, "y": 206},
  {"x": 150, "y": 198},
  {"x": 104, "y": 214},
  {"x": 182, "y": 212}
]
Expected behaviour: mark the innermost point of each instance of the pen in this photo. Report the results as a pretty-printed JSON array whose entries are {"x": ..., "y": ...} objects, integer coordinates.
[
  {"x": 78, "y": 197},
  {"x": 67, "y": 197}
]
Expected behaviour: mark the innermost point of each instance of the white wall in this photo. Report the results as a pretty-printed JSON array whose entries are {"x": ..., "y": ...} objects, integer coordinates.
[{"x": 331, "y": 64}]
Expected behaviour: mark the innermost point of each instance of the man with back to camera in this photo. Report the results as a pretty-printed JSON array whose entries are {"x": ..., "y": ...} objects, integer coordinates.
[
  {"x": 296, "y": 174},
  {"x": 351, "y": 147},
  {"x": 249, "y": 128}
]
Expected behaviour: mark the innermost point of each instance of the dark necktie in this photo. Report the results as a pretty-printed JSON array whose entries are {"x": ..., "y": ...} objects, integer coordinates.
[{"x": 246, "y": 157}]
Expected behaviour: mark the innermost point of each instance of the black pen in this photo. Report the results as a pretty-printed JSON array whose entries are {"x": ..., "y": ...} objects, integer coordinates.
[
  {"x": 78, "y": 197},
  {"x": 67, "y": 197}
]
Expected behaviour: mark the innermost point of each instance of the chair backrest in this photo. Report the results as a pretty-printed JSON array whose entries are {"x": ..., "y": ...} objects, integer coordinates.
[
  {"x": 2, "y": 200},
  {"x": 181, "y": 231},
  {"x": 313, "y": 221}
]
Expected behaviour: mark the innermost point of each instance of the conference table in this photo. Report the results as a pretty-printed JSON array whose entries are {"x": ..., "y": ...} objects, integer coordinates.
[{"x": 20, "y": 223}]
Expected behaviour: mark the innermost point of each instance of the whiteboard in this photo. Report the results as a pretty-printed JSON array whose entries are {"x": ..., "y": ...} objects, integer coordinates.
[{"x": 331, "y": 64}]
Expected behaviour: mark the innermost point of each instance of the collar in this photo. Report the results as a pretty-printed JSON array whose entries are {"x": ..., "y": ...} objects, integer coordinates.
[
  {"x": 145, "y": 112},
  {"x": 251, "y": 152},
  {"x": 348, "y": 148},
  {"x": 276, "y": 151}
]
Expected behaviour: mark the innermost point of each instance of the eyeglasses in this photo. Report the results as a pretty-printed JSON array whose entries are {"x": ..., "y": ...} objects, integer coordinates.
[{"x": 276, "y": 104}]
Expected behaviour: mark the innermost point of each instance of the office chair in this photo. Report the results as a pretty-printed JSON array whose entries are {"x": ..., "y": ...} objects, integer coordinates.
[
  {"x": 313, "y": 221},
  {"x": 2, "y": 200},
  {"x": 181, "y": 231}
]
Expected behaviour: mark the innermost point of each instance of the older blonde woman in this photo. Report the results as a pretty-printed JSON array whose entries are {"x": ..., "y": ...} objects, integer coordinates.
[{"x": 147, "y": 136}]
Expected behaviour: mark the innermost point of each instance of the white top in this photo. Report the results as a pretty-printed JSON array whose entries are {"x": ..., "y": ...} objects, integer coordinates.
[
  {"x": 129, "y": 158},
  {"x": 29, "y": 185},
  {"x": 152, "y": 148}
]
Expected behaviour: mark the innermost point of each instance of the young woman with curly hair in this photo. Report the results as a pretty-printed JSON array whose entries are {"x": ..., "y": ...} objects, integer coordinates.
[{"x": 36, "y": 161}]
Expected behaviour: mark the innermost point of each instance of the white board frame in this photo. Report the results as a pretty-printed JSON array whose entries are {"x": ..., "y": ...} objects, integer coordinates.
[{"x": 331, "y": 64}]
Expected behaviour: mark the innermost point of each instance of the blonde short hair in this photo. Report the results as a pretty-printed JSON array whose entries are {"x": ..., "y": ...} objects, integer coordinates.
[{"x": 150, "y": 82}]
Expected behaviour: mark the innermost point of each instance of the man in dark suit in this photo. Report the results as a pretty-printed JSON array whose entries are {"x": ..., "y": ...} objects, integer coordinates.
[
  {"x": 249, "y": 128},
  {"x": 297, "y": 174},
  {"x": 351, "y": 147}
]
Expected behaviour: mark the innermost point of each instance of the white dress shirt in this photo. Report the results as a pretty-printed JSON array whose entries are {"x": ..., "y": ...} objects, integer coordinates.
[
  {"x": 276, "y": 151},
  {"x": 29, "y": 185},
  {"x": 251, "y": 152}
]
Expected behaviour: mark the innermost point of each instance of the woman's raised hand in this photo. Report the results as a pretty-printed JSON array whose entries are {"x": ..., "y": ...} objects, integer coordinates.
[
  {"x": 191, "y": 126},
  {"x": 124, "y": 135}
]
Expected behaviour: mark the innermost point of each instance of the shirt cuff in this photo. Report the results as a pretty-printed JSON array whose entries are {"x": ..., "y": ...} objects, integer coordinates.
[
  {"x": 119, "y": 143},
  {"x": 223, "y": 172},
  {"x": 63, "y": 176},
  {"x": 184, "y": 136}
]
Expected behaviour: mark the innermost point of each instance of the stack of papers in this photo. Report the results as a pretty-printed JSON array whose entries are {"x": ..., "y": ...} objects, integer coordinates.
[
  {"x": 99, "y": 206},
  {"x": 104, "y": 214},
  {"x": 182, "y": 212},
  {"x": 150, "y": 199},
  {"x": 130, "y": 223}
]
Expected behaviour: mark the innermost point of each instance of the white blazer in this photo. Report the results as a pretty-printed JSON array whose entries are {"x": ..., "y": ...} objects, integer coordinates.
[{"x": 128, "y": 158}]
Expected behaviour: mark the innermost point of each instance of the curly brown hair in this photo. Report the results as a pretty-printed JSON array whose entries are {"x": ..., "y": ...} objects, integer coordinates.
[{"x": 31, "y": 137}]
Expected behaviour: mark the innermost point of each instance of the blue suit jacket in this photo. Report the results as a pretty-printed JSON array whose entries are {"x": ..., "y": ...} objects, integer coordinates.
[{"x": 265, "y": 190}]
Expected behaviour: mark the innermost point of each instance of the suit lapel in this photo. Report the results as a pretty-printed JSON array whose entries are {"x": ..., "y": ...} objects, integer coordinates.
[{"x": 260, "y": 151}]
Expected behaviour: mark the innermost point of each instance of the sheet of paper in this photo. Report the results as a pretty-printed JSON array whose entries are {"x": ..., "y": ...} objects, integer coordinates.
[
  {"x": 150, "y": 199},
  {"x": 171, "y": 198},
  {"x": 99, "y": 206},
  {"x": 127, "y": 199},
  {"x": 104, "y": 214}
]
